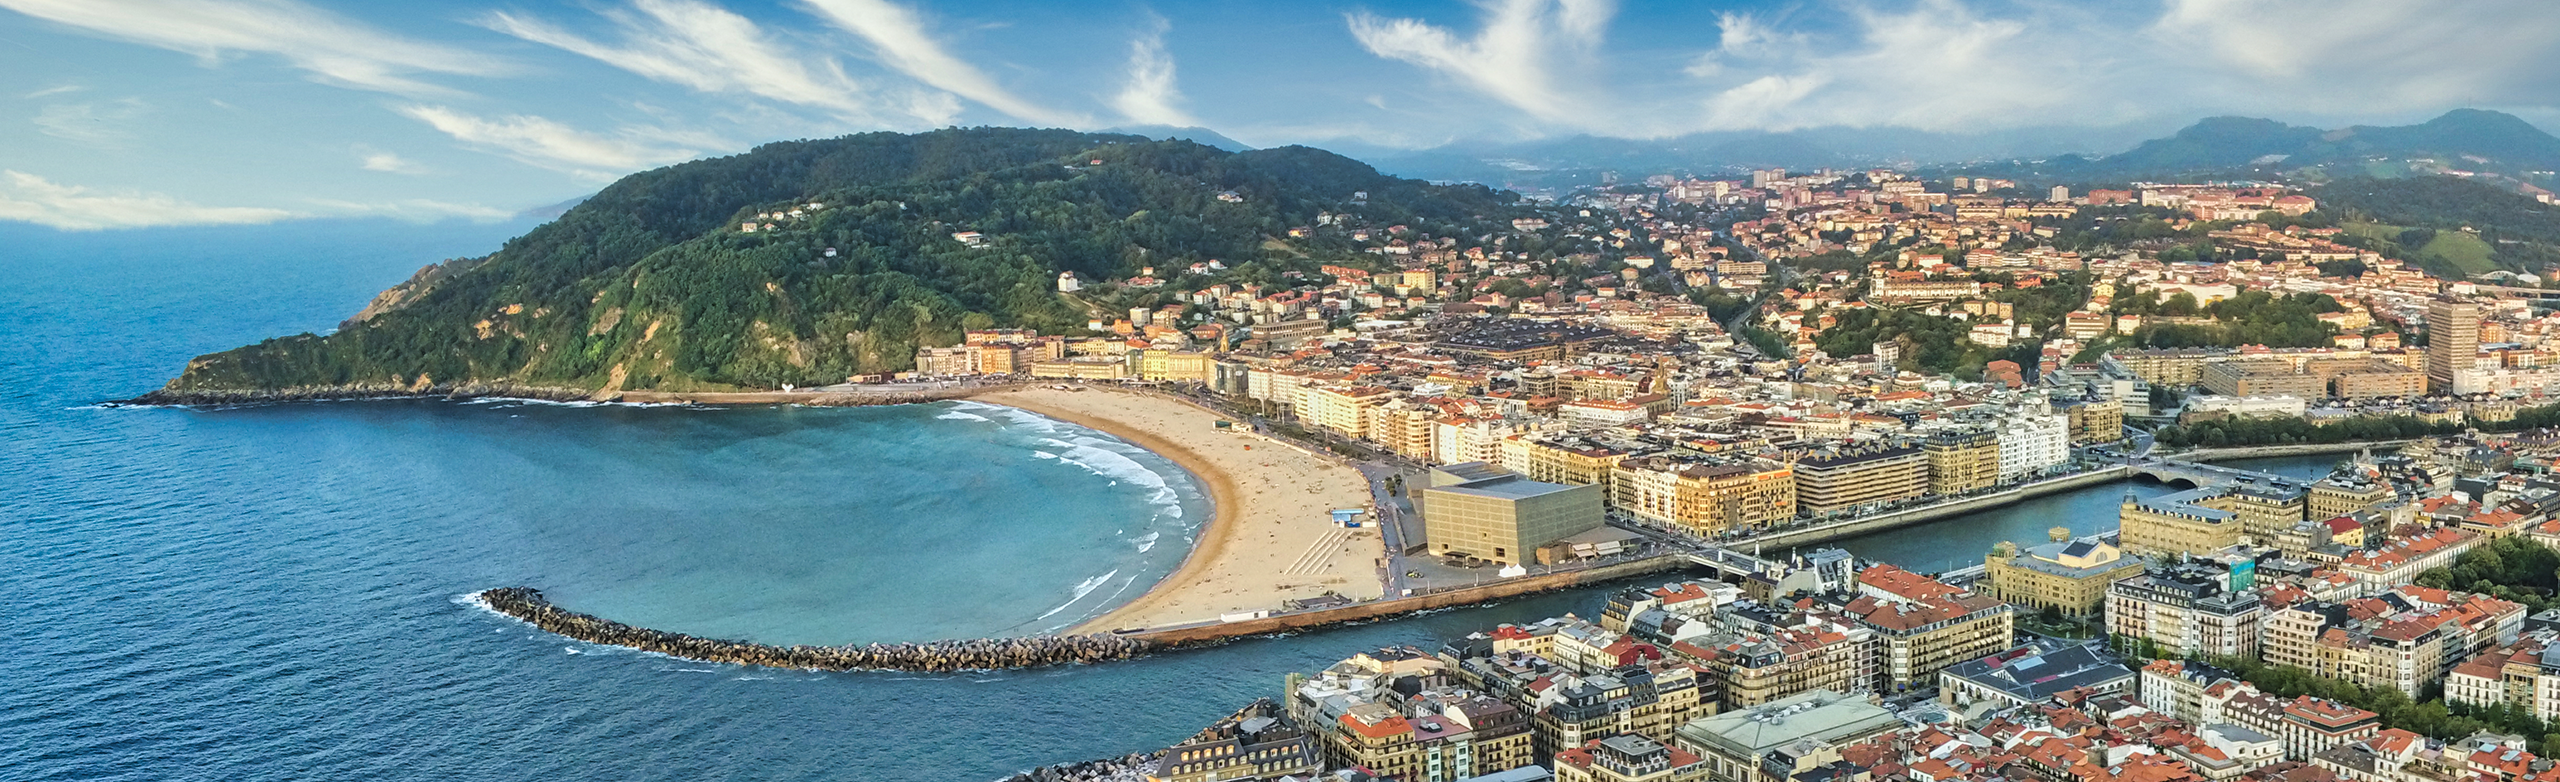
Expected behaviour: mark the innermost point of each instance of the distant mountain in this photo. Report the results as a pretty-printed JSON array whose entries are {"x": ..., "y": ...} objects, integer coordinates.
[
  {"x": 862, "y": 249},
  {"x": 1201, "y": 136},
  {"x": 2470, "y": 139},
  {"x": 2464, "y": 139},
  {"x": 1575, "y": 160}
]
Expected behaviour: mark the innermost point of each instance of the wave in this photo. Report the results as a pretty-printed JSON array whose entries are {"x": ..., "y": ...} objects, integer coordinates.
[
  {"x": 1148, "y": 541},
  {"x": 957, "y": 415},
  {"x": 1015, "y": 417},
  {"x": 1082, "y": 589},
  {"x": 1091, "y": 454}
]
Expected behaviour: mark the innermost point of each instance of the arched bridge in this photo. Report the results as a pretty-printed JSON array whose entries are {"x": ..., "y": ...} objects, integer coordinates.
[{"x": 2197, "y": 474}]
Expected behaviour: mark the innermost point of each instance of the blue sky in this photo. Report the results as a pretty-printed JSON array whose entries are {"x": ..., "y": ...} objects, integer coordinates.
[{"x": 131, "y": 113}]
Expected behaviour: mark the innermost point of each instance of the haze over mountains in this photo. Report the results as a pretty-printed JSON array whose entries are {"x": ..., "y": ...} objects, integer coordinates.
[{"x": 2471, "y": 139}]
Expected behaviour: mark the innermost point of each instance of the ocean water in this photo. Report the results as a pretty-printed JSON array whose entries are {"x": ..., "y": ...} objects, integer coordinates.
[{"x": 273, "y": 593}]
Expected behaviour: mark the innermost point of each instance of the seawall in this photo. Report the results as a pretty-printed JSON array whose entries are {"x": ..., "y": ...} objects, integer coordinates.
[
  {"x": 1884, "y": 521},
  {"x": 1211, "y": 634},
  {"x": 929, "y": 657},
  {"x": 2269, "y": 451}
]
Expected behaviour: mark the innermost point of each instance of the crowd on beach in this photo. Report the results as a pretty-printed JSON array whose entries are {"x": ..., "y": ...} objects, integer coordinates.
[{"x": 930, "y": 657}]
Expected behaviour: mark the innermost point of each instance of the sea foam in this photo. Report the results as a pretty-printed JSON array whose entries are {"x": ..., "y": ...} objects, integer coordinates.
[{"x": 1083, "y": 588}]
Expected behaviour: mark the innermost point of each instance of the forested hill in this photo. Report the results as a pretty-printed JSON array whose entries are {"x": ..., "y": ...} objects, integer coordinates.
[{"x": 651, "y": 284}]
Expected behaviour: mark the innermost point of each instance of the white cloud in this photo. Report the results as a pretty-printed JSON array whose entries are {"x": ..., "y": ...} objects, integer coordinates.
[
  {"x": 1939, "y": 65},
  {"x": 52, "y": 91},
  {"x": 898, "y": 37},
  {"x": 1979, "y": 65},
  {"x": 1958, "y": 65},
  {"x": 1150, "y": 96},
  {"x": 419, "y": 210},
  {"x": 390, "y": 163},
  {"x": 106, "y": 125},
  {"x": 548, "y": 144},
  {"x": 1530, "y": 54},
  {"x": 331, "y": 48},
  {"x": 705, "y": 48},
  {"x": 29, "y": 198},
  {"x": 2337, "y": 56}
]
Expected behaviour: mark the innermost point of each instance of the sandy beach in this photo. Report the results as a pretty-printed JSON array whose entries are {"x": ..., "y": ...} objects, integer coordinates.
[{"x": 1271, "y": 538}]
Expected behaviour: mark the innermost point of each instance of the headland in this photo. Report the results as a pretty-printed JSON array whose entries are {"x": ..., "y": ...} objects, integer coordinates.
[{"x": 1270, "y": 539}]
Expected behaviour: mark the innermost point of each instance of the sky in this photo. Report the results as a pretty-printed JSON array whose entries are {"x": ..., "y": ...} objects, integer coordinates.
[{"x": 139, "y": 113}]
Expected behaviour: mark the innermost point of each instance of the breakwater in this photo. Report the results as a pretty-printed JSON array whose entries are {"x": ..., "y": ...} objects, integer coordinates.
[
  {"x": 1133, "y": 768},
  {"x": 168, "y": 397},
  {"x": 354, "y": 392},
  {"x": 528, "y": 604}
]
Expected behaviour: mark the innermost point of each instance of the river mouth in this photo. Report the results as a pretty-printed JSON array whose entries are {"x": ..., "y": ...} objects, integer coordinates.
[
  {"x": 1962, "y": 541},
  {"x": 818, "y": 526}
]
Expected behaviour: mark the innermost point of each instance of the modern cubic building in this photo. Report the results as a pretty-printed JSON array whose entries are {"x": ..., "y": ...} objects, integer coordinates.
[{"x": 1485, "y": 512}]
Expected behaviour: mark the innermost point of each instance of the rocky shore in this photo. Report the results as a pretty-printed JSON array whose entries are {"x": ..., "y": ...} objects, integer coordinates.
[
  {"x": 354, "y": 392},
  {"x": 1134, "y": 768},
  {"x": 930, "y": 657},
  {"x": 461, "y": 391}
]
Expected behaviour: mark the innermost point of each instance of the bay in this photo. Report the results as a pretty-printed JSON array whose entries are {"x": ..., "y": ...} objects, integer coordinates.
[{"x": 273, "y": 593}]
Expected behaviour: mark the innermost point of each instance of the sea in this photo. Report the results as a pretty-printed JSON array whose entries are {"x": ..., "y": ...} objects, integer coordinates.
[{"x": 279, "y": 592}]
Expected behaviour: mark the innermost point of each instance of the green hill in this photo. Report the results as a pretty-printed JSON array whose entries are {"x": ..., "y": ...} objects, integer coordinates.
[{"x": 651, "y": 284}]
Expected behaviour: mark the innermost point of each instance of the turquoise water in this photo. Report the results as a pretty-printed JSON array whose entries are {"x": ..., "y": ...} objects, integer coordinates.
[{"x": 271, "y": 593}]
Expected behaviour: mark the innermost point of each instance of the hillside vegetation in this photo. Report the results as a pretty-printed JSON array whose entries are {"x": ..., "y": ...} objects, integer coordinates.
[{"x": 651, "y": 284}]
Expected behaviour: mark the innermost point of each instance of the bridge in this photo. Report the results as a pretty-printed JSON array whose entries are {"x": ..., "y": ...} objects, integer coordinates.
[
  {"x": 1728, "y": 564},
  {"x": 2197, "y": 474},
  {"x": 2521, "y": 293}
]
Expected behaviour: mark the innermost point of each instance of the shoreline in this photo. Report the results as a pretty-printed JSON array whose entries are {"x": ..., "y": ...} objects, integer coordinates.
[
  {"x": 1267, "y": 540},
  {"x": 1215, "y": 532}
]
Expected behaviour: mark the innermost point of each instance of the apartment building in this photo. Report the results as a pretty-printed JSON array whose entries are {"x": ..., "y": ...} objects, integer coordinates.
[
  {"x": 1561, "y": 459},
  {"x": 2172, "y": 367},
  {"x": 1344, "y": 410},
  {"x": 1399, "y": 712},
  {"x": 2031, "y": 443},
  {"x": 1628, "y": 759},
  {"x": 1962, "y": 462},
  {"x": 2095, "y": 422},
  {"x": 1924, "y": 626},
  {"x": 1844, "y": 481},
  {"x": 2334, "y": 496},
  {"x": 1254, "y": 743},
  {"x": 2404, "y": 639},
  {"x": 1706, "y": 498},
  {"x": 2523, "y": 675},
  {"x": 2189, "y": 607},
  {"x": 1760, "y": 668},
  {"x": 2261, "y": 378}
]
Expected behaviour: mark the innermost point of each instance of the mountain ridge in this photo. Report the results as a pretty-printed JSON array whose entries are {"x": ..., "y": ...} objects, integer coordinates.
[{"x": 655, "y": 282}]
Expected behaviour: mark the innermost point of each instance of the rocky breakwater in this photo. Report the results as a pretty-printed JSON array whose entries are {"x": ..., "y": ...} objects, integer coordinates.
[
  {"x": 1139, "y": 767},
  {"x": 351, "y": 392},
  {"x": 929, "y": 657}
]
